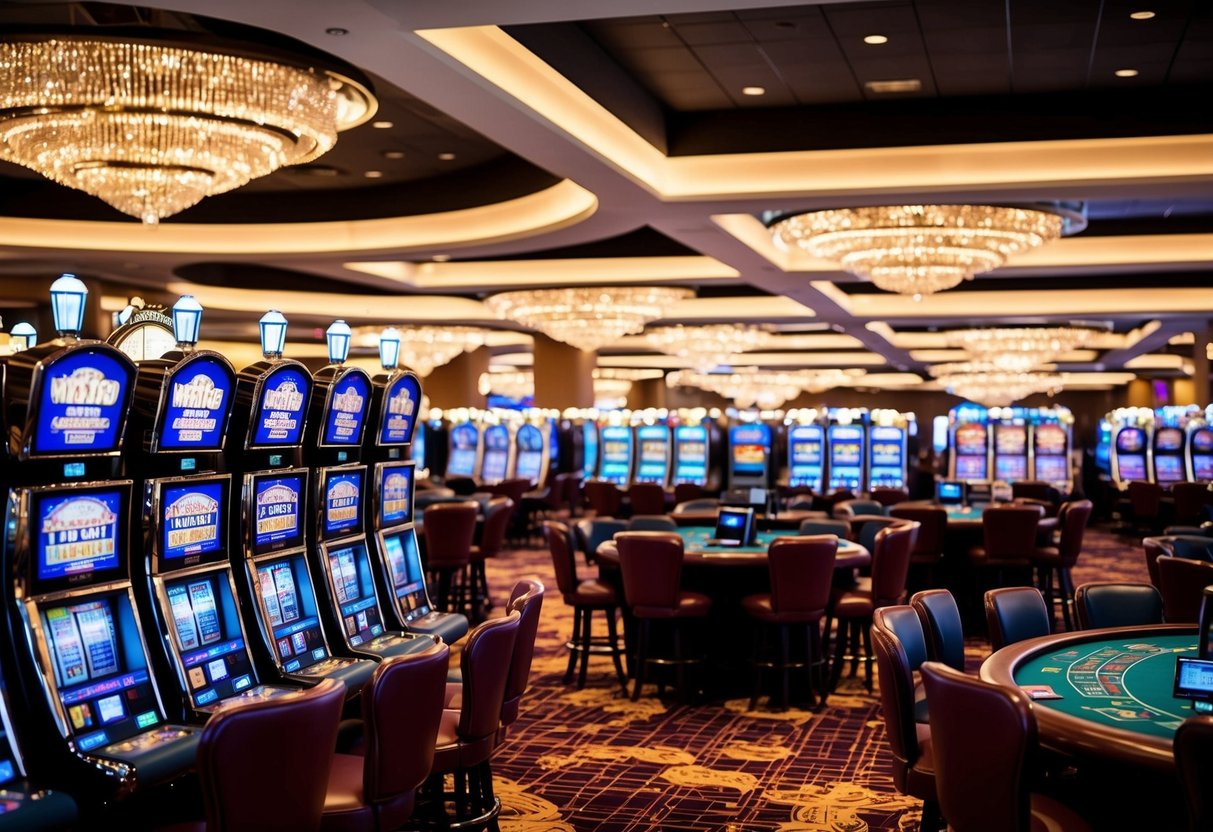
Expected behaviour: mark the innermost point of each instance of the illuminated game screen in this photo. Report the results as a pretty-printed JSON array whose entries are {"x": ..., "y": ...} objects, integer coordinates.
[
  {"x": 280, "y": 412},
  {"x": 345, "y": 416},
  {"x": 342, "y": 492},
  {"x": 1052, "y": 468},
  {"x": 806, "y": 446},
  {"x": 1168, "y": 468},
  {"x": 404, "y": 570},
  {"x": 496, "y": 454},
  {"x": 653, "y": 462},
  {"x": 950, "y": 493},
  {"x": 1131, "y": 466},
  {"x": 750, "y": 446},
  {"x": 206, "y": 632},
  {"x": 589, "y": 438},
  {"x": 887, "y": 446},
  {"x": 1130, "y": 441},
  {"x": 395, "y": 493},
  {"x": 289, "y": 604},
  {"x": 196, "y": 405},
  {"x": 1011, "y": 468},
  {"x": 846, "y": 446},
  {"x": 464, "y": 440},
  {"x": 192, "y": 520},
  {"x": 734, "y": 527},
  {"x": 1050, "y": 440},
  {"x": 971, "y": 440},
  {"x": 349, "y": 571},
  {"x": 971, "y": 467},
  {"x": 691, "y": 454},
  {"x": 616, "y": 454},
  {"x": 82, "y": 403},
  {"x": 101, "y": 671},
  {"x": 529, "y": 461},
  {"x": 1168, "y": 439},
  {"x": 277, "y": 501},
  {"x": 1010, "y": 439},
  {"x": 78, "y": 533},
  {"x": 1202, "y": 441},
  {"x": 1202, "y": 467}
]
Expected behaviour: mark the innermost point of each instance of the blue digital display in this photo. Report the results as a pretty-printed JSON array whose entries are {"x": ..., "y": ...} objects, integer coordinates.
[
  {"x": 191, "y": 519},
  {"x": 279, "y": 419},
  {"x": 464, "y": 439},
  {"x": 347, "y": 406},
  {"x": 342, "y": 501},
  {"x": 82, "y": 404},
  {"x": 691, "y": 454},
  {"x": 528, "y": 464},
  {"x": 395, "y": 494},
  {"x": 496, "y": 454},
  {"x": 589, "y": 444},
  {"x": 276, "y": 503},
  {"x": 77, "y": 532},
  {"x": 401, "y": 401},
  {"x": 653, "y": 457},
  {"x": 751, "y": 445},
  {"x": 197, "y": 399},
  {"x": 616, "y": 444}
]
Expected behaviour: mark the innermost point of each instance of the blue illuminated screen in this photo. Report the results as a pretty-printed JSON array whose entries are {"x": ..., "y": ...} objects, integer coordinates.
[
  {"x": 401, "y": 401},
  {"x": 276, "y": 512},
  {"x": 353, "y": 586},
  {"x": 395, "y": 494},
  {"x": 78, "y": 532},
  {"x": 348, "y": 401},
  {"x": 342, "y": 501},
  {"x": 289, "y": 601},
  {"x": 209, "y": 638},
  {"x": 197, "y": 399},
  {"x": 191, "y": 520},
  {"x": 280, "y": 413},
  {"x": 82, "y": 404}
]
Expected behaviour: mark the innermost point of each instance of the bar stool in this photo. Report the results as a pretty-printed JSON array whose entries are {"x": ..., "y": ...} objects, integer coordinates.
[
  {"x": 1058, "y": 560},
  {"x": 449, "y": 531},
  {"x": 647, "y": 498},
  {"x": 492, "y": 538},
  {"x": 605, "y": 498}
]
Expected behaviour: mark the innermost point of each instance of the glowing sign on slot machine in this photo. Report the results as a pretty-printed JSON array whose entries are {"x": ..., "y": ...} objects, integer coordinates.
[
  {"x": 191, "y": 519},
  {"x": 341, "y": 502},
  {"x": 276, "y": 502},
  {"x": 197, "y": 405},
  {"x": 82, "y": 403},
  {"x": 78, "y": 534},
  {"x": 279, "y": 419},
  {"x": 347, "y": 410},
  {"x": 400, "y": 410}
]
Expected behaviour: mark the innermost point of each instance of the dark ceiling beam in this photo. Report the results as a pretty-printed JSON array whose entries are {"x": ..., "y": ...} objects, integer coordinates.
[{"x": 1156, "y": 340}]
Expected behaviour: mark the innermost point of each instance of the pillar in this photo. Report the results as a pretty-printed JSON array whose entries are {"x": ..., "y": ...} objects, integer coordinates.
[
  {"x": 1139, "y": 393},
  {"x": 456, "y": 383},
  {"x": 564, "y": 375},
  {"x": 649, "y": 392},
  {"x": 1202, "y": 336}
]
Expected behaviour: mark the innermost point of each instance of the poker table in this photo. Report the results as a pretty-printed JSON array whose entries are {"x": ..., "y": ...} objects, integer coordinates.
[
  {"x": 1115, "y": 687},
  {"x": 697, "y": 551}
]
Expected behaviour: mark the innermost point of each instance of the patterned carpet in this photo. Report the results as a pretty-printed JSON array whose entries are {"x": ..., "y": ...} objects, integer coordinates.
[{"x": 593, "y": 760}]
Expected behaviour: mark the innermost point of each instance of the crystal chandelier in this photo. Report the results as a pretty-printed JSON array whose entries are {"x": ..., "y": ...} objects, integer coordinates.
[
  {"x": 751, "y": 387},
  {"x": 1018, "y": 349},
  {"x": 587, "y": 318},
  {"x": 611, "y": 393},
  {"x": 515, "y": 384},
  {"x": 422, "y": 348},
  {"x": 917, "y": 249},
  {"x": 154, "y": 127},
  {"x": 991, "y": 385},
  {"x": 707, "y": 346}
]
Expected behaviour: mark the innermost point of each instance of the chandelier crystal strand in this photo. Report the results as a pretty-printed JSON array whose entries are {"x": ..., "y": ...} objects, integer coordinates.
[
  {"x": 991, "y": 385},
  {"x": 707, "y": 346},
  {"x": 917, "y": 249},
  {"x": 587, "y": 318},
  {"x": 1019, "y": 348},
  {"x": 516, "y": 384},
  {"x": 424, "y": 348},
  {"x": 152, "y": 129},
  {"x": 752, "y": 387}
]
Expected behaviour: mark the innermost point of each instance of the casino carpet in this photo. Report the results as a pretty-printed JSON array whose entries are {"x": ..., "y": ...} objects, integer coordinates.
[{"x": 594, "y": 760}]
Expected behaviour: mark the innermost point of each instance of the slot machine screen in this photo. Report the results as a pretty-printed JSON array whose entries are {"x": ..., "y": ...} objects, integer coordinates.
[
  {"x": 404, "y": 569},
  {"x": 101, "y": 671},
  {"x": 589, "y": 438},
  {"x": 1202, "y": 441},
  {"x": 1050, "y": 440},
  {"x": 280, "y": 412},
  {"x": 1010, "y": 439},
  {"x": 616, "y": 454},
  {"x": 971, "y": 441},
  {"x": 1010, "y": 468},
  {"x": 887, "y": 447},
  {"x": 1131, "y": 466},
  {"x": 652, "y": 462},
  {"x": 1169, "y": 439},
  {"x": 398, "y": 418},
  {"x": 846, "y": 447},
  {"x": 496, "y": 454},
  {"x": 196, "y": 405},
  {"x": 277, "y": 500},
  {"x": 342, "y": 495},
  {"x": 971, "y": 467},
  {"x": 1168, "y": 468},
  {"x": 345, "y": 412},
  {"x": 193, "y": 519},
  {"x": 529, "y": 460},
  {"x": 1052, "y": 468},
  {"x": 691, "y": 446},
  {"x": 395, "y": 492},
  {"x": 289, "y": 601},
  {"x": 750, "y": 445},
  {"x": 1130, "y": 441},
  {"x": 462, "y": 460},
  {"x": 82, "y": 403},
  {"x": 1202, "y": 467},
  {"x": 349, "y": 571},
  {"x": 209, "y": 640},
  {"x": 78, "y": 535}
]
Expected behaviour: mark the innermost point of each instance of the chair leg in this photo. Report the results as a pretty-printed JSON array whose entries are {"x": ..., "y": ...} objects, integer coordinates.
[
  {"x": 811, "y": 635},
  {"x": 866, "y": 627},
  {"x": 854, "y": 648},
  {"x": 587, "y": 638},
  {"x": 680, "y": 668},
  {"x": 756, "y": 657},
  {"x": 840, "y": 651},
  {"x": 616, "y": 649},
  {"x": 573, "y": 643},
  {"x": 1066, "y": 583},
  {"x": 642, "y": 658},
  {"x": 785, "y": 659},
  {"x": 932, "y": 820}
]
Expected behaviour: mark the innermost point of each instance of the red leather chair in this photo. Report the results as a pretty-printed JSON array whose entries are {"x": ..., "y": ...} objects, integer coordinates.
[
  {"x": 449, "y": 531},
  {"x": 646, "y": 498},
  {"x": 801, "y": 571},
  {"x": 1153, "y": 547},
  {"x": 1181, "y": 582},
  {"x": 376, "y": 790},
  {"x": 1194, "y": 762},
  {"x": 889, "y": 496},
  {"x": 651, "y": 563},
  {"x": 970, "y": 717},
  {"x": 492, "y": 538},
  {"x": 604, "y": 498},
  {"x": 1058, "y": 560},
  {"x": 1016, "y": 613},
  {"x": 586, "y": 598},
  {"x": 281, "y": 746},
  {"x": 928, "y": 548}
]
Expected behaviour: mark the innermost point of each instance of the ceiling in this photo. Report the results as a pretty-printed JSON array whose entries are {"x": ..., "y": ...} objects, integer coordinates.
[{"x": 612, "y": 143}]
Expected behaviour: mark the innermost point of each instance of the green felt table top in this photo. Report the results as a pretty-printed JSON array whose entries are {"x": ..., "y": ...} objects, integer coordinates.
[
  {"x": 1124, "y": 683},
  {"x": 695, "y": 539},
  {"x": 965, "y": 512}
]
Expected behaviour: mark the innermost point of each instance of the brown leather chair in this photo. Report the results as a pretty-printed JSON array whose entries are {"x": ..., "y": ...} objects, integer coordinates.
[
  {"x": 980, "y": 791},
  {"x": 449, "y": 531},
  {"x": 1145, "y": 504},
  {"x": 928, "y": 549},
  {"x": 651, "y": 563},
  {"x": 281, "y": 746},
  {"x": 1008, "y": 545},
  {"x": 586, "y": 598},
  {"x": 1194, "y": 763},
  {"x": 942, "y": 626},
  {"x": 1110, "y": 604},
  {"x": 889, "y": 496},
  {"x": 376, "y": 790},
  {"x": 849, "y": 509},
  {"x": 604, "y": 498},
  {"x": 853, "y": 607},
  {"x": 899, "y": 646},
  {"x": 497, "y": 516},
  {"x": 1182, "y": 582},
  {"x": 801, "y": 571},
  {"x": 1015, "y": 613},
  {"x": 652, "y": 523},
  {"x": 839, "y": 528},
  {"x": 686, "y": 491},
  {"x": 590, "y": 533},
  {"x": 1191, "y": 499},
  {"x": 865, "y": 527},
  {"x": 1153, "y": 547},
  {"x": 1038, "y": 491},
  {"x": 646, "y": 498},
  {"x": 1058, "y": 560}
]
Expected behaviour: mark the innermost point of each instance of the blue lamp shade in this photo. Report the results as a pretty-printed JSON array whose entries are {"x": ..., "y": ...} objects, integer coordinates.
[
  {"x": 22, "y": 336},
  {"x": 273, "y": 333},
  {"x": 389, "y": 348},
  {"x": 67, "y": 304},
  {"x": 338, "y": 336},
  {"x": 187, "y": 317}
]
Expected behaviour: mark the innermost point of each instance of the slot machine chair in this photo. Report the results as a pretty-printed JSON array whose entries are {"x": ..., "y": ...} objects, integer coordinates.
[
  {"x": 1008, "y": 544},
  {"x": 1181, "y": 582},
  {"x": 449, "y": 531},
  {"x": 590, "y": 534},
  {"x": 1146, "y": 505},
  {"x": 889, "y": 496},
  {"x": 1192, "y": 501},
  {"x": 604, "y": 498},
  {"x": 492, "y": 539},
  {"x": 646, "y": 498},
  {"x": 846, "y": 509}
]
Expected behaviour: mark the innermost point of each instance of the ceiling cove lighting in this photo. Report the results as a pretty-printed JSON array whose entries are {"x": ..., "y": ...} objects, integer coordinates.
[
  {"x": 1018, "y": 349},
  {"x": 152, "y": 126},
  {"x": 587, "y": 317},
  {"x": 767, "y": 390},
  {"x": 1126, "y": 73},
  {"x": 875, "y": 40},
  {"x": 917, "y": 250},
  {"x": 707, "y": 346},
  {"x": 989, "y": 385},
  {"x": 1142, "y": 15},
  {"x": 423, "y": 348}
]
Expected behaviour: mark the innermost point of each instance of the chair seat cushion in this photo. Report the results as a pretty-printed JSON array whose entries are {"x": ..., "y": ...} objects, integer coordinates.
[
  {"x": 854, "y": 603},
  {"x": 451, "y": 753},
  {"x": 760, "y": 607},
  {"x": 594, "y": 593},
  {"x": 1047, "y": 555},
  {"x": 476, "y": 554},
  {"x": 453, "y": 699},
  {"x": 690, "y": 605},
  {"x": 344, "y": 805},
  {"x": 1048, "y": 815}
]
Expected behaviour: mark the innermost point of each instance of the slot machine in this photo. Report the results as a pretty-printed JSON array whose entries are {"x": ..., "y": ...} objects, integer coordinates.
[
  {"x": 969, "y": 432},
  {"x": 497, "y": 455},
  {"x": 887, "y": 448},
  {"x": 333, "y": 441},
  {"x": 845, "y": 437},
  {"x": 1169, "y": 454},
  {"x": 1010, "y": 440},
  {"x": 1132, "y": 428},
  {"x": 88, "y": 700},
  {"x": 750, "y": 455},
  {"x": 418, "y": 449},
  {"x": 1200, "y": 447},
  {"x": 23, "y": 805},
  {"x": 589, "y": 447},
  {"x": 279, "y": 587},
  {"x": 653, "y": 454},
  {"x": 692, "y": 454},
  {"x": 532, "y": 454},
  {"x": 395, "y": 556},
  {"x": 617, "y": 448},
  {"x": 463, "y": 455},
  {"x": 1051, "y": 449},
  {"x": 806, "y": 452},
  {"x": 1103, "y": 447},
  {"x": 186, "y": 586}
]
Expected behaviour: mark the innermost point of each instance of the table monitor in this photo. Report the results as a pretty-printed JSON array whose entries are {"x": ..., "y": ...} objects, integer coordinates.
[
  {"x": 1194, "y": 680},
  {"x": 950, "y": 492},
  {"x": 735, "y": 527}
]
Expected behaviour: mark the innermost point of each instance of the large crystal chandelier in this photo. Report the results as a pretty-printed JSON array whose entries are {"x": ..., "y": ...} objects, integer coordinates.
[
  {"x": 422, "y": 348},
  {"x": 512, "y": 384},
  {"x": 991, "y": 385},
  {"x": 917, "y": 249},
  {"x": 587, "y": 318},
  {"x": 1018, "y": 349},
  {"x": 707, "y": 346},
  {"x": 751, "y": 387},
  {"x": 153, "y": 127}
]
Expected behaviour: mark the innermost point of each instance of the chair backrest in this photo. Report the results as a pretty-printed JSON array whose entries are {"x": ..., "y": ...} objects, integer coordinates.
[
  {"x": 400, "y": 740},
  {"x": 895, "y": 671},
  {"x": 496, "y": 522},
  {"x": 282, "y": 744},
  {"x": 1182, "y": 582},
  {"x": 1145, "y": 498},
  {"x": 485, "y": 668},
  {"x": 561, "y": 549},
  {"x": 941, "y": 624},
  {"x": 1190, "y": 500},
  {"x": 462, "y": 486},
  {"x": 933, "y": 526},
  {"x": 839, "y": 528},
  {"x": 647, "y": 498},
  {"x": 1111, "y": 604},
  {"x": 802, "y": 571},
  {"x": 1010, "y": 531},
  {"x": 687, "y": 491},
  {"x": 604, "y": 498},
  {"x": 1036, "y": 490},
  {"x": 1194, "y": 763},
  {"x": 651, "y": 563},
  {"x": 891, "y": 562},
  {"x": 865, "y": 527},
  {"x": 697, "y": 505},
  {"x": 527, "y": 599},
  {"x": 1072, "y": 520},
  {"x": 593, "y": 531},
  {"x": 449, "y": 531},
  {"x": 1154, "y": 547},
  {"x": 652, "y": 523},
  {"x": 889, "y": 496},
  {"x": 1016, "y": 613},
  {"x": 847, "y": 509},
  {"x": 513, "y": 488},
  {"x": 1192, "y": 546},
  {"x": 968, "y": 718}
]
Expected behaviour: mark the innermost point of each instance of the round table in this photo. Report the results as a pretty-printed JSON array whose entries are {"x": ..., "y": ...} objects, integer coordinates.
[
  {"x": 697, "y": 552},
  {"x": 1115, "y": 687}
]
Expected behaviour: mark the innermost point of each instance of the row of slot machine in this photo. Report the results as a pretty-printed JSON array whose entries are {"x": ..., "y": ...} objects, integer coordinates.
[
  {"x": 665, "y": 453},
  {"x": 182, "y": 536},
  {"x": 1010, "y": 444},
  {"x": 1165, "y": 445},
  {"x": 501, "y": 446}
]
